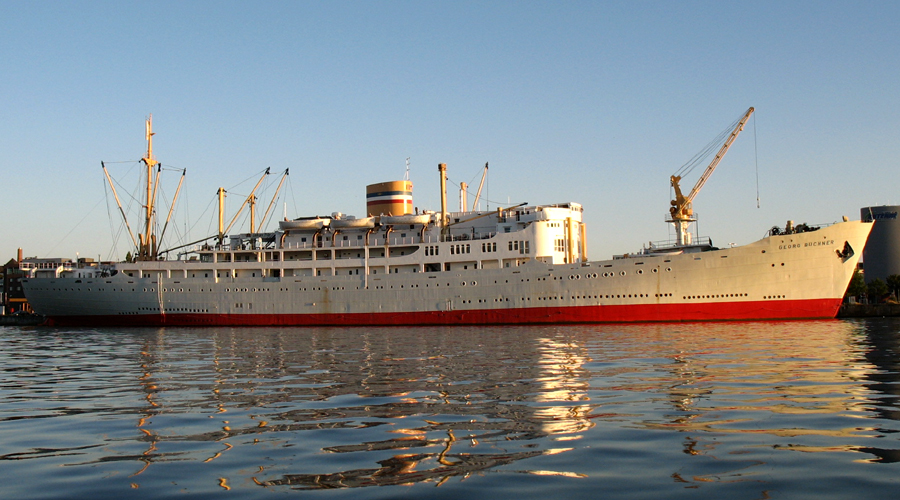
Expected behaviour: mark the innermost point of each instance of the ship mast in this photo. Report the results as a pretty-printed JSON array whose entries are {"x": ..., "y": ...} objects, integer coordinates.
[{"x": 148, "y": 250}]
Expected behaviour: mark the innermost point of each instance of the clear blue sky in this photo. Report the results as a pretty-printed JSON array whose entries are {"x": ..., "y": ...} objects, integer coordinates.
[{"x": 593, "y": 102}]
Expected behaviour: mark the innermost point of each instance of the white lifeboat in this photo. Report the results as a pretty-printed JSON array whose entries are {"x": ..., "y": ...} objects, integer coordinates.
[
  {"x": 365, "y": 222},
  {"x": 406, "y": 219},
  {"x": 303, "y": 224}
]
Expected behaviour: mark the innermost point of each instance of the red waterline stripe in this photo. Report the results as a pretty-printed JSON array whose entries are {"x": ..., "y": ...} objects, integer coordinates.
[{"x": 636, "y": 313}]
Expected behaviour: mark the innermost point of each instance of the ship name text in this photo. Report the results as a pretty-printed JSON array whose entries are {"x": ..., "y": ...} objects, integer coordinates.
[{"x": 807, "y": 244}]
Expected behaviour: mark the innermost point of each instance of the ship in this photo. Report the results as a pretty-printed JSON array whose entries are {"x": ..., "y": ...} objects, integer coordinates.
[{"x": 396, "y": 265}]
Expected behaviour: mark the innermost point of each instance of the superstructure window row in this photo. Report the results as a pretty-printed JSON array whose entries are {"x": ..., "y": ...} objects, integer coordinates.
[
  {"x": 523, "y": 247},
  {"x": 460, "y": 248}
]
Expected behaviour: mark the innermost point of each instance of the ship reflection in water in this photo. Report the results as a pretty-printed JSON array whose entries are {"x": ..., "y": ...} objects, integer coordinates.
[
  {"x": 464, "y": 397},
  {"x": 737, "y": 409}
]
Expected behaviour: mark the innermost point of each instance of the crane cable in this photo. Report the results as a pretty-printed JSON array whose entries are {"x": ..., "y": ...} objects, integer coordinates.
[
  {"x": 756, "y": 160},
  {"x": 707, "y": 150}
]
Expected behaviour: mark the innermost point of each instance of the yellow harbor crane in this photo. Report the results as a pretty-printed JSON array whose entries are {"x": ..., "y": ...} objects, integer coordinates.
[{"x": 681, "y": 211}]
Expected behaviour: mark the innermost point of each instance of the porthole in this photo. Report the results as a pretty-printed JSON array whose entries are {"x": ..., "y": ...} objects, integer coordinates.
[
  {"x": 655, "y": 270},
  {"x": 622, "y": 273},
  {"x": 640, "y": 271}
]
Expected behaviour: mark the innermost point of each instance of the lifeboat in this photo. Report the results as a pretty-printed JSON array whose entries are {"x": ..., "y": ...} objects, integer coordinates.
[
  {"x": 421, "y": 219},
  {"x": 365, "y": 222},
  {"x": 303, "y": 224}
]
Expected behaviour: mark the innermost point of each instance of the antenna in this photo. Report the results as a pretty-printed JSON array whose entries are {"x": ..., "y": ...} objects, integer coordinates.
[{"x": 407, "y": 168}]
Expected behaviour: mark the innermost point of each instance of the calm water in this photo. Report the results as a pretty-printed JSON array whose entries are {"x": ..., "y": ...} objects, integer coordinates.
[{"x": 723, "y": 410}]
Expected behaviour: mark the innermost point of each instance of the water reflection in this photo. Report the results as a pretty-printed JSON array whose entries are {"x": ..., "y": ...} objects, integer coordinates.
[
  {"x": 262, "y": 409},
  {"x": 456, "y": 394},
  {"x": 787, "y": 382}
]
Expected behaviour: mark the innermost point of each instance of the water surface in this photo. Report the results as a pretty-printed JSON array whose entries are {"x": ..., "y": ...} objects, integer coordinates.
[{"x": 703, "y": 410}]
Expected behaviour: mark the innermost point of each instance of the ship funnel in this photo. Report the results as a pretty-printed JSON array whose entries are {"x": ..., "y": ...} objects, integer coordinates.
[{"x": 392, "y": 197}]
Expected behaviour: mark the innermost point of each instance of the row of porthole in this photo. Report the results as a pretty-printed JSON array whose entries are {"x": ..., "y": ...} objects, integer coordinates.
[
  {"x": 774, "y": 297},
  {"x": 619, "y": 296},
  {"x": 721, "y": 296},
  {"x": 610, "y": 274}
]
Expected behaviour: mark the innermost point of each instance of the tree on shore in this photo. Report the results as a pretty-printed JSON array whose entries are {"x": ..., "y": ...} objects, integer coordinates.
[
  {"x": 857, "y": 287},
  {"x": 878, "y": 289},
  {"x": 893, "y": 284}
]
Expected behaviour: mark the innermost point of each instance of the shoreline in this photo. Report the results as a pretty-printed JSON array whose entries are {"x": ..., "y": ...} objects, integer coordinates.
[
  {"x": 868, "y": 310},
  {"x": 22, "y": 320}
]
